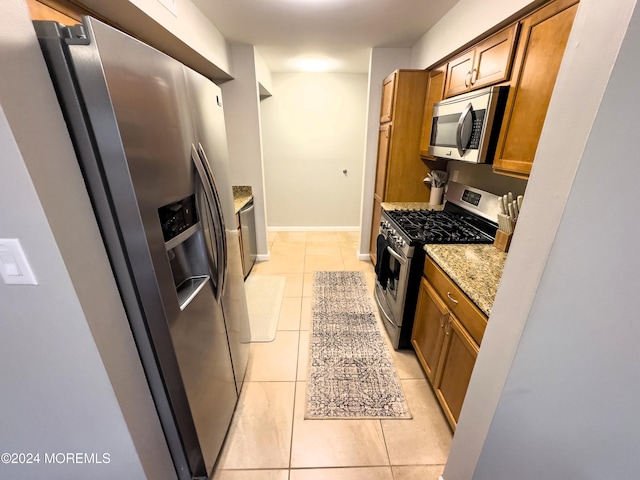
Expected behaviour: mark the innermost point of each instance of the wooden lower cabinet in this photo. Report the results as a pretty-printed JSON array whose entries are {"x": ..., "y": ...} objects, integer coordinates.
[
  {"x": 457, "y": 359},
  {"x": 428, "y": 328},
  {"x": 375, "y": 229},
  {"x": 444, "y": 348}
]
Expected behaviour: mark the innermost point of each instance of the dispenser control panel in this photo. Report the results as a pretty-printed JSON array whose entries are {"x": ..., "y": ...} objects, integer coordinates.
[{"x": 177, "y": 217}]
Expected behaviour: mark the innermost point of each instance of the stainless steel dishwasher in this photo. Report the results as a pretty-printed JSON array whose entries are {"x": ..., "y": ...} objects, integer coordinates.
[{"x": 248, "y": 233}]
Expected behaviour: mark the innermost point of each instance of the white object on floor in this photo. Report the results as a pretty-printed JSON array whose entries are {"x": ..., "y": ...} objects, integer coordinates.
[{"x": 264, "y": 299}]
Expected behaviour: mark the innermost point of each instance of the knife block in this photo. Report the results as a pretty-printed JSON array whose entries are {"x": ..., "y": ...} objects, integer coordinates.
[{"x": 502, "y": 240}]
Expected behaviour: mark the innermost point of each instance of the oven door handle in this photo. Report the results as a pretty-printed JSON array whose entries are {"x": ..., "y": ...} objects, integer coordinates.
[
  {"x": 381, "y": 309},
  {"x": 401, "y": 259}
]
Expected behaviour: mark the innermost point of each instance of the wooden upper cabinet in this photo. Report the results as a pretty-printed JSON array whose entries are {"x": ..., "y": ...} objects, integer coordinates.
[
  {"x": 386, "y": 106},
  {"x": 488, "y": 63},
  {"x": 459, "y": 74},
  {"x": 384, "y": 137},
  {"x": 435, "y": 93},
  {"x": 399, "y": 171},
  {"x": 544, "y": 36},
  {"x": 60, "y": 11}
]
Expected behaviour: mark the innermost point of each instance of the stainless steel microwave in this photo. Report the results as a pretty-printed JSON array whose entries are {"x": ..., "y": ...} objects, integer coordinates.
[{"x": 466, "y": 127}]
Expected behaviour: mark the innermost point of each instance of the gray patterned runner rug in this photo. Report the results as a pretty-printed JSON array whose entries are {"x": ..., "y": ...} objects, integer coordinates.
[{"x": 351, "y": 372}]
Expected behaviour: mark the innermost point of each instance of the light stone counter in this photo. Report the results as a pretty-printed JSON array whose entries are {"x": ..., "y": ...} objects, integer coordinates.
[
  {"x": 410, "y": 206},
  {"x": 476, "y": 269},
  {"x": 241, "y": 196}
]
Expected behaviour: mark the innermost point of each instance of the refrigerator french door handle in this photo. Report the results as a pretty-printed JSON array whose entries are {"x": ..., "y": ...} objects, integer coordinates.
[
  {"x": 221, "y": 230},
  {"x": 209, "y": 198}
]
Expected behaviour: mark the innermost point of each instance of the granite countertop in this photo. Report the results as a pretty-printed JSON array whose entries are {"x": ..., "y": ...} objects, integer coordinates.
[
  {"x": 410, "y": 206},
  {"x": 241, "y": 196},
  {"x": 476, "y": 269}
]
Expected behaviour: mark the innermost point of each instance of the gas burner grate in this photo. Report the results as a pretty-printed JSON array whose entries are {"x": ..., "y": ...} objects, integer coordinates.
[{"x": 429, "y": 226}]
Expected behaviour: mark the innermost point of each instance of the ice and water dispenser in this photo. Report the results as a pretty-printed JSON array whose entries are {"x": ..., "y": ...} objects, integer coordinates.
[{"x": 185, "y": 248}]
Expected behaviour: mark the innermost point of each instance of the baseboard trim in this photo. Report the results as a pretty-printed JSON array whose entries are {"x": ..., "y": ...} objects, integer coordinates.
[
  {"x": 313, "y": 229},
  {"x": 364, "y": 257},
  {"x": 263, "y": 257}
]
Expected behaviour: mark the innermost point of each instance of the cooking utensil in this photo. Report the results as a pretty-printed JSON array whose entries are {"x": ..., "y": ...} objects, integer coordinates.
[
  {"x": 519, "y": 200},
  {"x": 438, "y": 178}
]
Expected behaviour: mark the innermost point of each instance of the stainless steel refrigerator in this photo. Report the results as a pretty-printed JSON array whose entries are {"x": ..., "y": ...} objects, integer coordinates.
[{"x": 150, "y": 138}]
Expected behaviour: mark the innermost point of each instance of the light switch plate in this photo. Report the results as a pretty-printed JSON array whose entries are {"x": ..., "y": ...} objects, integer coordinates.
[{"x": 14, "y": 268}]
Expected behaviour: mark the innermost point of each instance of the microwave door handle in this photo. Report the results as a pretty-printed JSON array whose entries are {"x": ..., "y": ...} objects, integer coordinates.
[
  {"x": 221, "y": 230},
  {"x": 460, "y": 142}
]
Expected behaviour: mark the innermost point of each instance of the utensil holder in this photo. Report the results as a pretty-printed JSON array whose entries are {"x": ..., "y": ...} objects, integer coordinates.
[
  {"x": 502, "y": 240},
  {"x": 436, "y": 195}
]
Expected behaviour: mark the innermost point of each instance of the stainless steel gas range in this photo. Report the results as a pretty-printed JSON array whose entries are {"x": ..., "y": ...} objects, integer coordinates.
[{"x": 469, "y": 216}]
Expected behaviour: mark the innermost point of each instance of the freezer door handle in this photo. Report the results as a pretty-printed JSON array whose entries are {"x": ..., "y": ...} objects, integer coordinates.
[{"x": 218, "y": 267}]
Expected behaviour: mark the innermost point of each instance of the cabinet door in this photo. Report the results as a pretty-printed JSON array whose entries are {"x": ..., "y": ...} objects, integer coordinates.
[
  {"x": 457, "y": 359},
  {"x": 488, "y": 63},
  {"x": 62, "y": 12},
  {"x": 493, "y": 58},
  {"x": 384, "y": 137},
  {"x": 428, "y": 328},
  {"x": 459, "y": 74},
  {"x": 435, "y": 92},
  {"x": 544, "y": 36},
  {"x": 375, "y": 229},
  {"x": 386, "y": 108}
]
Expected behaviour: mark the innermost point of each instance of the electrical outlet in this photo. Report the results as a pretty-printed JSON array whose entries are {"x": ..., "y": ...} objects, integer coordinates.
[{"x": 14, "y": 268}]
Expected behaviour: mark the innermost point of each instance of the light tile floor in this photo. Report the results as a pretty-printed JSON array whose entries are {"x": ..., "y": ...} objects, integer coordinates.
[{"x": 269, "y": 438}]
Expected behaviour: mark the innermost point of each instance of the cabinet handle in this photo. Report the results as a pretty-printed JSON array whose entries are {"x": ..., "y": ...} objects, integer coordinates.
[
  {"x": 448, "y": 329},
  {"x": 467, "y": 80},
  {"x": 443, "y": 320},
  {"x": 474, "y": 75},
  {"x": 451, "y": 298}
]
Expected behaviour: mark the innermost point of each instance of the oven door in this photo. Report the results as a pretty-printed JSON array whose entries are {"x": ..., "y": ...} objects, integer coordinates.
[{"x": 396, "y": 286}]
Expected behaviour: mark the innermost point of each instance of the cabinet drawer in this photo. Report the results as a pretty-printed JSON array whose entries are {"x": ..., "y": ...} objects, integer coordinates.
[{"x": 458, "y": 303}]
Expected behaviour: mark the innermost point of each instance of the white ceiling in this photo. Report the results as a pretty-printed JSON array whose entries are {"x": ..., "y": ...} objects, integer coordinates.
[{"x": 338, "y": 31}]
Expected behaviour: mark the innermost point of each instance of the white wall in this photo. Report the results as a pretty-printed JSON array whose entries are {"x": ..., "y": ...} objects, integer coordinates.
[
  {"x": 242, "y": 120},
  {"x": 71, "y": 380},
  {"x": 263, "y": 74},
  {"x": 382, "y": 62},
  {"x": 186, "y": 35},
  {"x": 552, "y": 394},
  {"x": 313, "y": 128}
]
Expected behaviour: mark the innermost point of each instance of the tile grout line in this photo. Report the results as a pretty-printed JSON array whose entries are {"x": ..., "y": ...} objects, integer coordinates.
[{"x": 295, "y": 387}]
